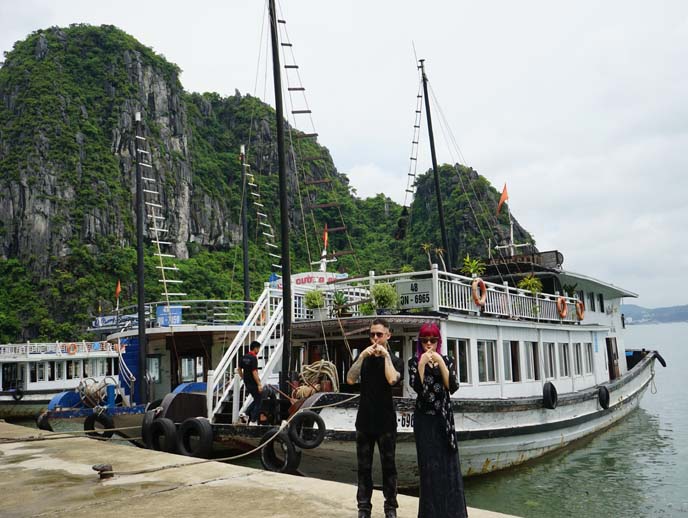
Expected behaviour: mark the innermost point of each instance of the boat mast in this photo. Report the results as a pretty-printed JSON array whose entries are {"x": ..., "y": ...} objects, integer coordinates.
[
  {"x": 143, "y": 395},
  {"x": 244, "y": 233},
  {"x": 284, "y": 212},
  {"x": 443, "y": 228}
]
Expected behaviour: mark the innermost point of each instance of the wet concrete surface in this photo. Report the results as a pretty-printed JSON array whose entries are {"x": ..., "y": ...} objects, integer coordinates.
[{"x": 55, "y": 478}]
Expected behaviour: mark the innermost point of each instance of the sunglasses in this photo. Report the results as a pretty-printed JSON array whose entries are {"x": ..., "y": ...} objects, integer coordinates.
[
  {"x": 377, "y": 334},
  {"x": 425, "y": 339}
]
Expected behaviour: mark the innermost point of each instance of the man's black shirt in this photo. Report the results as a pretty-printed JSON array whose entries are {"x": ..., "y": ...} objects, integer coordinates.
[
  {"x": 249, "y": 363},
  {"x": 376, "y": 413}
]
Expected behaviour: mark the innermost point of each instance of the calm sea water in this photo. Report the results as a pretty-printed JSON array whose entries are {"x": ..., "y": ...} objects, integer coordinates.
[{"x": 638, "y": 468}]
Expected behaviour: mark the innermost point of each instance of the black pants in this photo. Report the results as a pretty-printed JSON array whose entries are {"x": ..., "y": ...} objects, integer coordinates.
[
  {"x": 386, "y": 444},
  {"x": 253, "y": 409}
]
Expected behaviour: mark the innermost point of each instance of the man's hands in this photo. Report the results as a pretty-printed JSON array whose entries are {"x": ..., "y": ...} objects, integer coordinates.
[{"x": 375, "y": 350}]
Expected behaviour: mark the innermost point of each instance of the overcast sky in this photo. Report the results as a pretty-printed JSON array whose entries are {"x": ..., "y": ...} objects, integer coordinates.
[{"x": 581, "y": 108}]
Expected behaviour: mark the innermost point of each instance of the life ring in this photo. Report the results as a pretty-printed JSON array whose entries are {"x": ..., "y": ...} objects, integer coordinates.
[
  {"x": 301, "y": 430},
  {"x": 195, "y": 438},
  {"x": 580, "y": 310},
  {"x": 72, "y": 348},
  {"x": 291, "y": 457},
  {"x": 105, "y": 420},
  {"x": 162, "y": 427},
  {"x": 562, "y": 307},
  {"x": 603, "y": 397},
  {"x": 479, "y": 291},
  {"x": 549, "y": 395},
  {"x": 18, "y": 394}
]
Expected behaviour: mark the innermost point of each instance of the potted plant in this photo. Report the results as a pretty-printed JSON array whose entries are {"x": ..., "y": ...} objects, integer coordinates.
[
  {"x": 534, "y": 286},
  {"x": 315, "y": 301},
  {"x": 339, "y": 304},
  {"x": 472, "y": 267},
  {"x": 385, "y": 297}
]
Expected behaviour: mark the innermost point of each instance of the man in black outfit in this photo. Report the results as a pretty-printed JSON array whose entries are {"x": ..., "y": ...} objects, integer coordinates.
[
  {"x": 248, "y": 370},
  {"x": 376, "y": 422}
]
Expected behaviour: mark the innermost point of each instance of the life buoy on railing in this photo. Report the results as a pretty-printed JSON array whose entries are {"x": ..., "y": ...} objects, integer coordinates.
[
  {"x": 562, "y": 308},
  {"x": 580, "y": 310},
  {"x": 72, "y": 348},
  {"x": 479, "y": 291}
]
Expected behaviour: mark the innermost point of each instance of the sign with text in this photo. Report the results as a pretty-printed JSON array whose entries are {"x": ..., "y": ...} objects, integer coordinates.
[
  {"x": 169, "y": 315},
  {"x": 414, "y": 293}
]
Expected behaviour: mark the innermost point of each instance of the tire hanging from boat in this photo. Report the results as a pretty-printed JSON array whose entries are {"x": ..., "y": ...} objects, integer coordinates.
[
  {"x": 18, "y": 394},
  {"x": 301, "y": 427},
  {"x": 105, "y": 420},
  {"x": 549, "y": 396},
  {"x": 162, "y": 427},
  {"x": 603, "y": 396},
  {"x": 270, "y": 460},
  {"x": 479, "y": 291},
  {"x": 562, "y": 307},
  {"x": 195, "y": 427}
]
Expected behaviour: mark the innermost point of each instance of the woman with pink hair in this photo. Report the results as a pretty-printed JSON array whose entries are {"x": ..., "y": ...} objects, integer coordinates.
[{"x": 431, "y": 376}]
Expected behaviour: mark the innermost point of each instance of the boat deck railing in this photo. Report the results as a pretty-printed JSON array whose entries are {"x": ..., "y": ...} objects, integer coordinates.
[
  {"x": 437, "y": 290},
  {"x": 31, "y": 350}
]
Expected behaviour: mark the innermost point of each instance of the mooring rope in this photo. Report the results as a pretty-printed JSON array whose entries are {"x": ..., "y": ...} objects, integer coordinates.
[{"x": 70, "y": 435}]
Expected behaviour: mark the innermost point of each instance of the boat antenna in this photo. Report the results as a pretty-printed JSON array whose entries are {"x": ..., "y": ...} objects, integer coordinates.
[
  {"x": 431, "y": 136},
  {"x": 140, "y": 214},
  {"x": 284, "y": 209}
]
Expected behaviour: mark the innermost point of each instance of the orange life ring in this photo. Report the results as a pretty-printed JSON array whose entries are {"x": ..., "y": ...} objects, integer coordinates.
[
  {"x": 115, "y": 347},
  {"x": 562, "y": 308},
  {"x": 72, "y": 348},
  {"x": 479, "y": 291},
  {"x": 580, "y": 310}
]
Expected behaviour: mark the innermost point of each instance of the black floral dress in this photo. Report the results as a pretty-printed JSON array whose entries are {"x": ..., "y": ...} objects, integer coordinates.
[{"x": 441, "y": 485}]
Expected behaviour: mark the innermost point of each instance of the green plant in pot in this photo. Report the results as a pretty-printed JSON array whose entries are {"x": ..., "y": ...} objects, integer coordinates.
[
  {"x": 315, "y": 301},
  {"x": 534, "y": 286},
  {"x": 385, "y": 297},
  {"x": 339, "y": 303},
  {"x": 473, "y": 267}
]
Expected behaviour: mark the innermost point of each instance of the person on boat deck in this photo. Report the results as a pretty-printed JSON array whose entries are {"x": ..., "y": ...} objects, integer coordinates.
[
  {"x": 376, "y": 421},
  {"x": 248, "y": 370},
  {"x": 431, "y": 376}
]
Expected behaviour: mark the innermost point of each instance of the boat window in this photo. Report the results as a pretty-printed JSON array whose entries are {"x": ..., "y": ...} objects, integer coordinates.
[
  {"x": 577, "y": 359},
  {"x": 486, "y": 361},
  {"x": 33, "y": 373},
  {"x": 60, "y": 372},
  {"x": 51, "y": 371},
  {"x": 588, "y": 358},
  {"x": 532, "y": 361},
  {"x": 457, "y": 348},
  {"x": 512, "y": 367},
  {"x": 153, "y": 367},
  {"x": 600, "y": 301},
  {"x": 591, "y": 301},
  {"x": 550, "y": 359},
  {"x": 564, "y": 360}
]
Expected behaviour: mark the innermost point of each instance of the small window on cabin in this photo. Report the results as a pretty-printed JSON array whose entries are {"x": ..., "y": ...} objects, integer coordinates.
[
  {"x": 550, "y": 360},
  {"x": 577, "y": 359},
  {"x": 51, "y": 371},
  {"x": 153, "y": 367},
  {"x": 532, "y": 361},
  {"x": 512, "y": 367},
  {"x": 33, "y": 373},
  {"x": 60, "y": 373},
  {"x": 464, "y": 362},
  {"x": 600, "y": 301},
  {"x": 591, "y": 301},
  {"x": 588, "y": 358},
  {"x": 564, "y": 360},
  {"x": 486, "y": 361}
]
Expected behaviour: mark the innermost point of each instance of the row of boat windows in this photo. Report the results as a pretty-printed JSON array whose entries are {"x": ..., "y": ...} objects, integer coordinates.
[
  {"x": 593, "y": 301},
  {"x": 561, "y": 360},
  {"x": 70, "y": 369}
]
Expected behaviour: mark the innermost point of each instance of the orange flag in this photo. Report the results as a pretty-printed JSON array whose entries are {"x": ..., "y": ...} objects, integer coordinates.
[
  {"x": 502, "y": 199},
  {"x": 118, "y": 289},
  {"x": 325, "y": 238}
]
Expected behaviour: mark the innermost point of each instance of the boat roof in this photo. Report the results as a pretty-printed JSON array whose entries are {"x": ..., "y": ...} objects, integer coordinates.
[{"x": 608, "y": 289}]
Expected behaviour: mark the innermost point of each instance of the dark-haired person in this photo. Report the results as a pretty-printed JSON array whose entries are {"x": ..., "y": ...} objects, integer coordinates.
[
  {"x": 431, "y": 376},
  {"x": 248, "y": 370},
  {"x": 376, "y": 422}
]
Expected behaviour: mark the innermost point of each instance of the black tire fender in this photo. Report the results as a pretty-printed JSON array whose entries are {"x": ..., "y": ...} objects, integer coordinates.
[
  {"x": 201, "y": 428},
  {"x": 148, "y": 418},
  {"x": 301, "y": 426},
  {"x": 18, "y": 394},
  {"x": 163, "y": 427},
  {"x": 549, "y": 396},
  {"x": 269, "y": 459},
  {"x": 43, "y": 423},
  {"x": 105, "y": 420},
  {"x": 603, "y": 396}
]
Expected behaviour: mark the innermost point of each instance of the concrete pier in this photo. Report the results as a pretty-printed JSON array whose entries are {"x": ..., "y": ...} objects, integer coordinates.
[{"x": 55, "y": 478}]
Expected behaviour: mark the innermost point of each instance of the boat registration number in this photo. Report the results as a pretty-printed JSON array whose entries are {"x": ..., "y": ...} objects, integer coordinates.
[{"x": 405, "y": 420}]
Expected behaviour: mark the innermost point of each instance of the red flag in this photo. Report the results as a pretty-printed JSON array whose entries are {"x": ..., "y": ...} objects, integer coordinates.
[
  {"x": 118, "y": 289},
  {"x": 502, "y": 199},
  {"x": 325, "y": 238}
]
